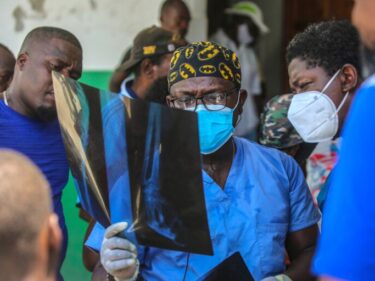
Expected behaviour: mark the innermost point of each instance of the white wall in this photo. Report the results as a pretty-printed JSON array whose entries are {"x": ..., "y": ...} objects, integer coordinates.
[{"x": 104, "y": 27}]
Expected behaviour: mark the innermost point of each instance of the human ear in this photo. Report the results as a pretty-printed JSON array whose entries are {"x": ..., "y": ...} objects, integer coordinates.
[
  {"x": 148, "y": 68},
  {"x": 349, "y": 78},
  {"x": 168, "y": 100},
  {"x": 54, "y": 244},
  {"x": 21, "y": 60}
]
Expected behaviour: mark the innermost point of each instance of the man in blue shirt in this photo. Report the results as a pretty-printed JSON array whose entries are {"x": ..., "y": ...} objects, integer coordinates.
[
  {"x": 347, "y": 245},
  {"x": 257, "y": 201},
  {"x": 28, "y": 120}
]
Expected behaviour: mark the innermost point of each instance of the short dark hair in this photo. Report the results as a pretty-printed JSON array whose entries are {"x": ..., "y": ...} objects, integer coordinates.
[
  {"x": 171, "y": 3},
  {"x": 46, "y": 33},
  {"x": 329, "y": 45},
  {"x": 6, "y": 49}
]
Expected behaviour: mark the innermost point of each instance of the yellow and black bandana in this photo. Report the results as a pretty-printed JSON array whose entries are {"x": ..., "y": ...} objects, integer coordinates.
[{"x": 202, "y": 59}]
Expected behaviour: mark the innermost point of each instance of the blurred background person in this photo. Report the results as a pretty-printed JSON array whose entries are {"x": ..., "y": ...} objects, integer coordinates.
[
  {"x": 30, "y": 237},
  {"x": 347, "y": 244},
  {"x": 242, "y": 28},
  {"x": 7, "y": 62},
  {"x": 175, "y": 18}
]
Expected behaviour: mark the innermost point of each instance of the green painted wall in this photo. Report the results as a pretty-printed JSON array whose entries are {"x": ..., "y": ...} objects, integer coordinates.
[
  {"x": 73, "y": 268},
  {"x": 98, "y": 79}
]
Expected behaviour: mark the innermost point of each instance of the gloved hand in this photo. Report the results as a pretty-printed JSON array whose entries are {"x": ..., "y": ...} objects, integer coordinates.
[
  {"x": 118, "y": 255},
  {"x": 280, "y": 277}
]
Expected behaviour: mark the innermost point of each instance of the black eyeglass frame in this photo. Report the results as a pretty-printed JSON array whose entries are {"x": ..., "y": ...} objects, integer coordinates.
[{"x": 226, "y": 93}]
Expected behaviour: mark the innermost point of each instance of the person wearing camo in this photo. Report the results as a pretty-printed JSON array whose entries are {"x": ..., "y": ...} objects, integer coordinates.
[{"x": 276, "y": 130}]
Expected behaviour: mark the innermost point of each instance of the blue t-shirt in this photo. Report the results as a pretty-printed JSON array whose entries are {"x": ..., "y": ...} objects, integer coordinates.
[
  {"x": 347, "y": 245},
  {"x": 41, "y": 142},
  {"x": 265, "y": 197}
]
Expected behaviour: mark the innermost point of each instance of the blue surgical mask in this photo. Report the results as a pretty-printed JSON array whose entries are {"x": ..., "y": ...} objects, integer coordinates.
[{"x": 215, "y": 127}]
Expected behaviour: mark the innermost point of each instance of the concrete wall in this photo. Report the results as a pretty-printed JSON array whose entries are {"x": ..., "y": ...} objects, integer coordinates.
[{"x": 104, "y": 27}]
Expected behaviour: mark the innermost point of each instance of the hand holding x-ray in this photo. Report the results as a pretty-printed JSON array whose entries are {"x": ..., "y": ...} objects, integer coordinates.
[{"x": 118, "y": 255}]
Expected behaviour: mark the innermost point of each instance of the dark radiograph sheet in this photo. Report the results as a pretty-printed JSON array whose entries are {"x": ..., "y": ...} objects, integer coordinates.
[
  {"x": 232, "y": 268},
  {"x": 137, "y": 162}
]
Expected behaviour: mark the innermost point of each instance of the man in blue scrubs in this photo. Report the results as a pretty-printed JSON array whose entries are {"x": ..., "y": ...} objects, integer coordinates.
[
  {"x": 347, "y": 245},
  {"x": 257, "y": 200},
  {"x": 28, "y": 120}
]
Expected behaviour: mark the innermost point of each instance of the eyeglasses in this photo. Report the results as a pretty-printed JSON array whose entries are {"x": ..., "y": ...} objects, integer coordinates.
[{"x": 218, "y": 99}]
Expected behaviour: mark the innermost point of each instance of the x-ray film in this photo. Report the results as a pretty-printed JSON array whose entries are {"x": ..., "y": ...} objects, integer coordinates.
[
  {"x": 137, "y": 162},
  {"x": 232, "y": 268}
]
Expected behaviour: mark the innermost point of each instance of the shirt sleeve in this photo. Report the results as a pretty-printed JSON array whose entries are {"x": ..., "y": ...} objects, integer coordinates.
[
  {"x": 346, "y": 247},
  {"x": 95, "y": 238},
  {"x": 303, "y": 213}
]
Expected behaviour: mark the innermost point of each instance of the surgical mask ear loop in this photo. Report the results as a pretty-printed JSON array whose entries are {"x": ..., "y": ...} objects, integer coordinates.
[
  {"x": 239, "y": 119},
  {"x": 330, "y": 81},
  {"x": 341, "y": 104},
  {"x": 238, "y": 101},
  {"x": 239, "y": 115}
]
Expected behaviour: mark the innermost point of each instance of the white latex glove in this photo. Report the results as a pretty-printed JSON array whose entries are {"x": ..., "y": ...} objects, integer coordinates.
[
  {"x": 118, "y": 255},
  {"x": 280, "y": 277}
]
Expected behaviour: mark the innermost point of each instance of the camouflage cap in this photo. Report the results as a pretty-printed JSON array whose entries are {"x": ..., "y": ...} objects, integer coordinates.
[{"x": 276, "y": 130}]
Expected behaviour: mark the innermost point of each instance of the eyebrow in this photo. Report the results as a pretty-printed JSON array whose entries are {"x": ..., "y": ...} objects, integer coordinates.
[{"x": 208, "y": 90}]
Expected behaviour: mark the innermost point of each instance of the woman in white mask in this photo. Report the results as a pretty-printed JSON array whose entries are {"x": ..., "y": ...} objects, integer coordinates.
[{"x": 324, "y": 73}]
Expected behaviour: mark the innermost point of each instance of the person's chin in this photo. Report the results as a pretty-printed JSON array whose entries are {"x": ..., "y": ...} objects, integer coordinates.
[{"x": 46, "y": 114}]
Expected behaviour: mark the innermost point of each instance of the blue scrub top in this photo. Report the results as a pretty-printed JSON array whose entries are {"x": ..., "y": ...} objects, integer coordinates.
[
  {"x": 265, "y": 197},
  {"x": 346, "y": 248}
]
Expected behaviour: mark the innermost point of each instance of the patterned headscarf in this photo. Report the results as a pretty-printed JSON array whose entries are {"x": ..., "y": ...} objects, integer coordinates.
[{"x": 204, "y": 59}]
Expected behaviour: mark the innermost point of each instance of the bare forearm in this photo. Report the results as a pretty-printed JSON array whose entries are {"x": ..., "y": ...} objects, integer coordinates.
[
  {"x": 99, "y": 273},
  {"x": 299, "y": 270}
]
